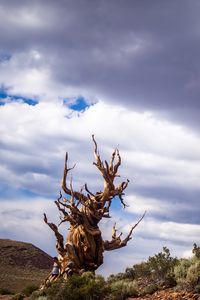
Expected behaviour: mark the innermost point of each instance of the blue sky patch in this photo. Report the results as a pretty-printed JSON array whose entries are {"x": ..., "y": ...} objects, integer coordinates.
[
  {"x": 80, "y": 104},
  {"x": 4, "y": 95}
]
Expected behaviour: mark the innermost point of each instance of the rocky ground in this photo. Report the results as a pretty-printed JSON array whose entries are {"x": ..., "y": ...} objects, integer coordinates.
[
  {"x": 170, "y": 294},
  {"x": 9, "y": 297}
]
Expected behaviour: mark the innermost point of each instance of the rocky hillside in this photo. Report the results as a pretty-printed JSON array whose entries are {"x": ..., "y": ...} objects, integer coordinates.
[
  {"x": 170, "y": 294},
  {"x": 22, "y": 264}
]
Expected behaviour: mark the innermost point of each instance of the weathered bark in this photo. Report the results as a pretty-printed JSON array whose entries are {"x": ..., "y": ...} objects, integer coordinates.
[{"x": 84, "y": 246}]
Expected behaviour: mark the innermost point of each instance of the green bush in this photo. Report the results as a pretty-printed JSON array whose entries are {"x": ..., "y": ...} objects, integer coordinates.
[
  {"x": 149, "y": 289},
  {"x": 117, "y": 277},
  {"x": 141, "y": 270},
  {"x": 193, "y": 273},
  {"x": 29, "y": 290},
  {"x": 85, "y": 287},
  {"x": 5, "y": 291},
  {"x": 181, "y": 269},
  {"x": 122, "y": 289},
  {"x": 18, "y": 296},
  {"x": 158, "y": 269},
  {"x": 130, "y": 273},
  {"x": 196, "y": 250},
  {"x": 162, "y": 266},
  {"x": 197, "y": 288},
  {"x": 39, "y": 294},
  {"x": 187, "y": 273}
]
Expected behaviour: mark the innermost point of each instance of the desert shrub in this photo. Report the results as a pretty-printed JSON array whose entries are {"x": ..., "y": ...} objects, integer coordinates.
[
  {"x": 197, "y": 288},
  {"x": 149, "y": 289},
  {"x": 29, "y": 290},
  {"x": 196, "y": 250},
  {"x": 122, "y": 289},
  {"x": 111, "y": 278},
  {"x": 181, "y": 269},
  {"x": 141, "y": 270},
  {"x": 5, "y": 291},
  {"x": 18, "y": 296},
  {"x": 187, "y": 273},
  {"x": 193, "y": 273},
  {"x": 117, "y": 277},
  {"x": 130, "y": 273},
  {"x": 162, "y": 266},
  {"x": 85, "y": 287},
  {"x": 38, "y": 295}
]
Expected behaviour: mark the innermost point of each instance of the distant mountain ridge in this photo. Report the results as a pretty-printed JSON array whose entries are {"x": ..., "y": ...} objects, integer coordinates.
[{"x": 22, "y": 264}]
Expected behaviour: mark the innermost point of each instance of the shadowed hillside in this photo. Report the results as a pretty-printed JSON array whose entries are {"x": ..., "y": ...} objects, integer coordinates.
[{"x": 22, "y": 264}]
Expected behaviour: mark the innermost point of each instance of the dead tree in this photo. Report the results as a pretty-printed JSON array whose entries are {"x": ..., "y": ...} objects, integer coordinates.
[{"x": 84, "y": 246}]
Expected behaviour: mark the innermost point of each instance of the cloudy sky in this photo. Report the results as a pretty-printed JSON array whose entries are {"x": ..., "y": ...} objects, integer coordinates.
[{"x": 127, "y": 71}]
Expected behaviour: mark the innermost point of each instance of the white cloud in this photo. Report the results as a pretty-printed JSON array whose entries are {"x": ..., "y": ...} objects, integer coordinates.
[
  {"x": 22, "y": 219},
  {"x": 33, "y": 145},
  {"x": 170, "y": 231},
  {"x": 42, "y": 134},
  {"x": 36, "y": 143}
]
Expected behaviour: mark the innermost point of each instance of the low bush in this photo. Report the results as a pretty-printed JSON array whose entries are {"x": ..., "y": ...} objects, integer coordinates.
[
  {"x": 193, "y": 273},
  {"x": 196, "y": 250},
  {"x": 180, "y": 271},
  {"x": 149, "y": 289},
  {"x": 122, "y": 289},
  {"x": 187, "y": 273},
  {"x": 5, "y": 291},
  {"x": 18, "y": 296},
  {"x": 141, "y": 270},
  {"x": 29, "y": 290},
  {"x": 85, "y": 287},
  {"x": 162, "y": 266},
  {"x": 39, "y": 294},
  {"x": 197, "y": 288}
]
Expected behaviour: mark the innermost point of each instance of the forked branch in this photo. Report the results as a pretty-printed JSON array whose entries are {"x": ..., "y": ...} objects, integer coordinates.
[
  {"x": 79, "y": 196},
  {"x": 116, "y": 241}
]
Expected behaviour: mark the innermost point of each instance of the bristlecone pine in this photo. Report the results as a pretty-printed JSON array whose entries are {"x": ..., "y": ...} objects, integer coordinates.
[{"x": 84, "y": 246}]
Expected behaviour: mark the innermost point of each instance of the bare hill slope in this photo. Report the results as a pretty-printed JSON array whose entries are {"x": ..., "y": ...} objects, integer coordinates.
[{"x": 22, "y": 264}]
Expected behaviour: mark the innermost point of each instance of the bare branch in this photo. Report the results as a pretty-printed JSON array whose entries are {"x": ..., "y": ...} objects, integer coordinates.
[
  {"x": 87, "y": 190},
  {"x": 130, "y": 233},
  {"x": 59, "y": 237},
  {"x": 116, "y": 241},
  {"x": 67, "y": 190}
]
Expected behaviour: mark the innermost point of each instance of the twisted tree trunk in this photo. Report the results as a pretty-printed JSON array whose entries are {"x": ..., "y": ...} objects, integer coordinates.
[{"x": 84, "y": 246}]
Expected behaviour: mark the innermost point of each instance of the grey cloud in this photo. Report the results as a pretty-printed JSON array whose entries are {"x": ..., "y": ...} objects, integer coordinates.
[
  {"x": 142, "y": 54},
  {"x": 178, "y": 204},
  {"x": 17, "y": 213}
]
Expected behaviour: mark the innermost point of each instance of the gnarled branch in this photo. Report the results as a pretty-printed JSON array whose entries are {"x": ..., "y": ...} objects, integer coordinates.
[
  {"x": 77, "y": 195},
  {"x": 116, "y": 241},
  {"x": 59, "y": 236}
]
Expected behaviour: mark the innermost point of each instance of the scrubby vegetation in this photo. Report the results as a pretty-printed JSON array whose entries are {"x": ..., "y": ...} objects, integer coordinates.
[
  {"x": 85, "y": 287},
  {"x": 156, "y": 273},
  {"x": 159, "y": 272},
  {"x": 5, "y": 291}
]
